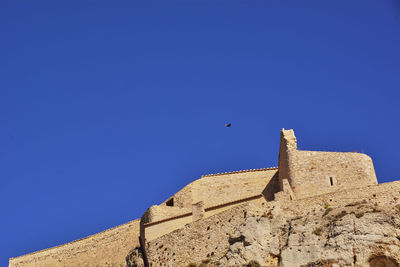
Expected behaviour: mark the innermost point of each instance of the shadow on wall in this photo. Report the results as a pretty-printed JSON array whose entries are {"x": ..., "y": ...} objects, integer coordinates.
[
  {"x": 135, "y": 258},
  {"x": 383, "y": 261},
  {"x": 271, "y": 188}
]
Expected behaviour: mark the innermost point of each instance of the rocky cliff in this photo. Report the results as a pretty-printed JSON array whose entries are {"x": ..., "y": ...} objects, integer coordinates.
[
  {"x": 357, "y": 234},
  {"x": 354, "y": 228}
]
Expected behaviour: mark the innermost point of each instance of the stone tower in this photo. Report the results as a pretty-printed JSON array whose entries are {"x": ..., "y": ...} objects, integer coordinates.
[{"x": 311, "y": 173}]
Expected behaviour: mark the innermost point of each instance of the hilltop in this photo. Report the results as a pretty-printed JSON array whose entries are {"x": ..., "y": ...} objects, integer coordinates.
[{"x": 315, "y": 209}]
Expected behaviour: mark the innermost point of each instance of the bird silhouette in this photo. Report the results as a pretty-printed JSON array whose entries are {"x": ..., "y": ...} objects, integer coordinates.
[{"x": 228, "y": 124}]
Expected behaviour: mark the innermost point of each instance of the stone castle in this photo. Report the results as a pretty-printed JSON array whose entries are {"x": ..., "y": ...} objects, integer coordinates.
[{"x": 314, "y": 209}]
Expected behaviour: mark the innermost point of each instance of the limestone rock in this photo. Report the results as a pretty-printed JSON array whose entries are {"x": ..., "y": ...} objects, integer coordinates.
[
  {"x": 135, "y": 258},
  {"x": 355, "y": 235}
]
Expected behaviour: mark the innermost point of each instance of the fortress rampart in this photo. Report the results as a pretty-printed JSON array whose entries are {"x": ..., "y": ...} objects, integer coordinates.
[
  {"x": 155, "y": 229},
  {"x": 209, "y": 239},
  {"x": 197, "y": 241},
  {"x": 107, "y": 248},
  {"x": 216, "y": 193},
  {"x": 197, "y": 222},
  {"x": 312, "y": 173},
  {"x": 220, "y": 188}
]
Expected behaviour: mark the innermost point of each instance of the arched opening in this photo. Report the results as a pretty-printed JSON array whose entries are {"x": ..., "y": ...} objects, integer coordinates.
[{"x": 382, "y": 261}]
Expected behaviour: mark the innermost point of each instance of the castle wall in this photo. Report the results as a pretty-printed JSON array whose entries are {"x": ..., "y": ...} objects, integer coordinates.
[
  {"x": 212, "y": 238},
  {"x": 183, "y": 198},
  {"x": 108, "y": 248},
  {"x": 386, "y": 193},
  {"x": 198, "y": 222},
  {"x": 314, "y": 173},
  {"x": 158, "y": 213},
  {"x": 201, "y": 240},
  {"x": 155, "y": 229},
  {"x": 152, "y": 231},
  {"x": 212, "y": 191},
  {"x": 218, "y": 189}
]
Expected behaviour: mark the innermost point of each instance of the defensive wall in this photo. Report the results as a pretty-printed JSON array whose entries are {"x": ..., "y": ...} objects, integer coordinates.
[
  {"x": 209, "y": 239},
  {"x": 307, "y": 177},
  {"x": 312, "y": 173},
  {"x": 181, "y": 228},
  {"x": 155, "y": 229},
  {"x": 216, "y": 193},
  {"x": 107, "y": 248},
  {"x": 200, "y": 240},
  {"x": 218, "y": 188}
]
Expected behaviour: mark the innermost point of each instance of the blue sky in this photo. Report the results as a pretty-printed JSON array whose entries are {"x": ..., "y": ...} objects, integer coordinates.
[{"x": 108, "y": 107}]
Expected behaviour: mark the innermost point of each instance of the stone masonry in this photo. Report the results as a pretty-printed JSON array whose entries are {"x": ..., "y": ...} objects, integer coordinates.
[{"x": 315, "y": 209}]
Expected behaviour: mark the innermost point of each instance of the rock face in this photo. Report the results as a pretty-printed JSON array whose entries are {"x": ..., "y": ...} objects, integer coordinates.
[
  {"x": 358, "y": 234},
  {"x": 349, "y": 228},
  {"x": 135, "y": 258}
]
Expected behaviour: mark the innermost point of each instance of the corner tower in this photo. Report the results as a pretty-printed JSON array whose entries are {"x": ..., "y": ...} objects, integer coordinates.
[{"x": 310, "y": 173}]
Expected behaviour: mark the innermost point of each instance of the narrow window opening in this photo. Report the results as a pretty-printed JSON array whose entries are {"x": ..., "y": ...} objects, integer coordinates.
[
  {"x": 331, "y": 180},
  {"x": 170, "y": 202}
]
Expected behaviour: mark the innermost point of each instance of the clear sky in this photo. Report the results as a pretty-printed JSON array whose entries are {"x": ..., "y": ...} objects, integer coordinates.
[{"x": 108, "y": 107}]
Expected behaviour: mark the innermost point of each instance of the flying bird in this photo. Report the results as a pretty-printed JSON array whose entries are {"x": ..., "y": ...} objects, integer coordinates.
[{"x": 228, "y": 124}]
